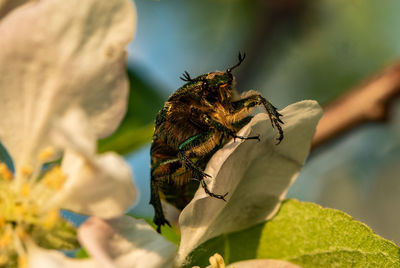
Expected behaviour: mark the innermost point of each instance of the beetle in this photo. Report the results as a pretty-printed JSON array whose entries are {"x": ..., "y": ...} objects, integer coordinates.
[{"x": 195, "y": 121}]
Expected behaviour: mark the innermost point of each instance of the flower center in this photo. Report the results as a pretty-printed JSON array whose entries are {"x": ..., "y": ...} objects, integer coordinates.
[{"x": 23, "y": 208}]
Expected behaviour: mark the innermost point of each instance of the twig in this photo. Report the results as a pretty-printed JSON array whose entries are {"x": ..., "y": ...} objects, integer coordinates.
[{"x": 369, "y": 102}]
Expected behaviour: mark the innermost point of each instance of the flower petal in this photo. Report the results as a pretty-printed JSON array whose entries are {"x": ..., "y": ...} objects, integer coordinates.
[
  {"x": 57, "y": 54},
  {"x": 125, "y": 242},
  {"x": 39, "y": 257},
  {"x": 263, "y": 263},
  {"x": 255, "y": 174},
  {"x": 99, "y": 185},
  {"x": 73, "y": 131}
]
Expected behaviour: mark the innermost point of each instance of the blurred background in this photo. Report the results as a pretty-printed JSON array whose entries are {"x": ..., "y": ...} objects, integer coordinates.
[{"x": 296, "y": 49}]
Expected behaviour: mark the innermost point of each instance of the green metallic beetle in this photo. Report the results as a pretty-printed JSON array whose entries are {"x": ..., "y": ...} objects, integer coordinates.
[{"x": 196, "y": 121}]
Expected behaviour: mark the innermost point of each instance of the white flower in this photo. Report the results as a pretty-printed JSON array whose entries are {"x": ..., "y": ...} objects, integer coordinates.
[
  {"x": 62, "y": 86},
  {"x": 256, "y": 175}
]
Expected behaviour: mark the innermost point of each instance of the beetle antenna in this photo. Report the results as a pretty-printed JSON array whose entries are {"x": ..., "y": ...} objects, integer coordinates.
[
  {"x": 241, "y": 59},
  {"x": 186, "y": 77}
]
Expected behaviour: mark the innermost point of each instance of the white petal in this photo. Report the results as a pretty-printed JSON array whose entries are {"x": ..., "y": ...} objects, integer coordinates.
[
  {"x": 255, "y": 174},
  {"x": 98, "y": 185},
  {"x": 74, "y": 131},
  {"x": 171, "y": 213},
  {"x": 101, "y": 186},
  {"x": 125, "y": 242},
  {"x": 263, "y": 263},
  {"x": 56, "y": 54},
  {"x": 39, "y": 257}
]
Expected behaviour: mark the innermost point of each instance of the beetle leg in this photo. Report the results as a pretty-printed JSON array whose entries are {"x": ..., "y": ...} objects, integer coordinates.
[
  {"x": 218, "y": 196},
  {"x": 159, "y": 218},
  {"x": 158, "y": 172},
  {"x": 208, "y": 120},
  {"x": 198, "y": 174},
  {"x": 272, "y": 112},
  {"x": 241, "y": 123}
]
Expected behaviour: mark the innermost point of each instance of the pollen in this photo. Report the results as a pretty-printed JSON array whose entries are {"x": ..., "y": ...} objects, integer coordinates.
[
  {"x": 5, "y": 240},
  {"x": 54, "y": 178},
  {"x": 24, "y": 214},
  {"x": 20, "y": 211},
  {"x": 46, "y": 154},
  {"x": 26, "y": 170},
  {"x": 22, "y": 261},
  {"x": 21, "y": 233},
  {"x": 5, "y": 172},
  {"x": 25, "y": 189}
]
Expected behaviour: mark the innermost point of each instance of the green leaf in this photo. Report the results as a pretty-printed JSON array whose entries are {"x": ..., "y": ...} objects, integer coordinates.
[
  {"x": 82, "y": 254},
  {"x": 305, "y": 234},
  {"x": 127, "y": 138},
  {"x": 136, "y": 129},
  {"x": 61, "y": 236}
]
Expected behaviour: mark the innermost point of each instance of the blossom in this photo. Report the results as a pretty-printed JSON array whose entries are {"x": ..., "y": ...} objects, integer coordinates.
[
  {"x": 62, "y": 86},
  {"x": 256, "y": 175}
]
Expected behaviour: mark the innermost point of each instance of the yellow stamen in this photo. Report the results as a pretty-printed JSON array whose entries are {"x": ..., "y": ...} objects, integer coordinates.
[
  {"x": 25, "y": 189},
  {"x": 5, "y": 172},
  {"x": 22, "y": 261},
  {"x": 20, "y": 211},
  {"x": 23, "y": 210},
  {"x": 51, "y": 219},
  {"x": 21, "y": 233},
  {"x": 3, "y": 259},
  {"x": 5, "y": 240},
  {"x": 46, "y": 154},
  {"x": 26, "y": 170},
  {"x": 217, "y": 261},
  {"x": 54, "y": 178}
]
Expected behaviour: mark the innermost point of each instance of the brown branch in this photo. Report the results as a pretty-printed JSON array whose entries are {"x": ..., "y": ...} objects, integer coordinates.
[{"x": 369, "y": 102}]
